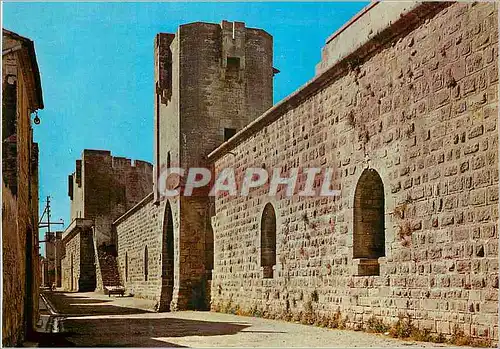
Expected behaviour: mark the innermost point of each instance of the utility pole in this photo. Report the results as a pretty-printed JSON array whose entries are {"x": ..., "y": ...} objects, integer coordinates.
[{"x": 47, "y": 225}]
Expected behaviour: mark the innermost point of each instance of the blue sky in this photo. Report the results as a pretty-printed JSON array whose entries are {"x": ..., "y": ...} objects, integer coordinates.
[{"x": 96, "y": 64}]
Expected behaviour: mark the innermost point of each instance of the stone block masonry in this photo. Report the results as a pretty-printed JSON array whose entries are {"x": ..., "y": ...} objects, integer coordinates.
[
  {"x": 137, "y": 231},
  {"x": 21, "y": 96},
  {"x": 78, "y": 267},
  {"x": 409, "y": 120},
  {"x": 70, "y": 264},
  {"x": 406, "y": 116},
  {"x": 151, "y": 261},
  {"x": 210, "y": 81},
  {"x": 104, "y": 187},
  {"x": 101, "y": 189}
]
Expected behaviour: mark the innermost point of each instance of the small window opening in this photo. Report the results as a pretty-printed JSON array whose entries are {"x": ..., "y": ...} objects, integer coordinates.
[
  {"x": 268, "y": 240},
  {"x": 70, "y": 186},
  {"x": 233, "y": 63},
  {"x": 228, "y": 133},
  {"x": 146, "y": 263},
  {"x": 126, "y": 266}
]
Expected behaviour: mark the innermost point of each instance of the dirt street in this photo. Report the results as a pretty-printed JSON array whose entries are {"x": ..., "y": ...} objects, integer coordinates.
[{"x": 93, "y": 319}]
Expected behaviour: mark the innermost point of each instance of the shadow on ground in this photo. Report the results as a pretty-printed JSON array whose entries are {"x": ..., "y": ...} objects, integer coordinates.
[
  {"x": 142, "y": 332},
  {"x": 91, "y": 322},
  {"x": 52, "y": 340},
  {"x": 70, "y": 304}
]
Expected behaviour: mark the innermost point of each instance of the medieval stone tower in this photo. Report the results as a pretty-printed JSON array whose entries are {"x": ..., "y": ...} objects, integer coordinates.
[{"x": 211, "y": 80}]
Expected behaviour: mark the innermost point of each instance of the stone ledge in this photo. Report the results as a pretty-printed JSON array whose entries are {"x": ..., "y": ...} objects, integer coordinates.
[
  {"x": 75, "y": 226},
  {"x": 366, "y": 24},
  {"x": 365, "y": 267}
]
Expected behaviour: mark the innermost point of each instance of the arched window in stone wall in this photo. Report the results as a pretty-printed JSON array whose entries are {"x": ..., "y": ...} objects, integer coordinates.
[
  {"x": 146, "y": 263},
  {"x": 369, "y": 222},
  {"x": 126, "y": 266},
  {"x": 268, "y": 240}
]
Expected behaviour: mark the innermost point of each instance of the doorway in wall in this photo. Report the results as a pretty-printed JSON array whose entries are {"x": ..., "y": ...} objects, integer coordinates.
[{"x": 167, "y": 260}]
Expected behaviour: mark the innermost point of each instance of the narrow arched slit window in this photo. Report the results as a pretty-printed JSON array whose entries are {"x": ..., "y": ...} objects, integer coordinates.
[
  {"x": 126, "y": 266},
  {"x": 146, "y": 263},
  {"x": 369, "y": 223},
  {"x": 268, "y": 240}
]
